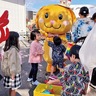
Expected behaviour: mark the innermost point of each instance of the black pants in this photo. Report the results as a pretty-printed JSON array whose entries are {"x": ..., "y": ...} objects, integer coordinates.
[
  {"x": 93, "y": 79},
  {"x": 34, "y": 70}
]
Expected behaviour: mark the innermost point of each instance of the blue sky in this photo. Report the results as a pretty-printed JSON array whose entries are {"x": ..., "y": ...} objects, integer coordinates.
[{"x": 37, "y": 4}]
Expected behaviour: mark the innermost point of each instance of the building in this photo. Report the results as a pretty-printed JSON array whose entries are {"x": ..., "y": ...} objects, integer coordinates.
[
  {"x": 31, "y": 15},
  {"x": 17, "y": 14}
]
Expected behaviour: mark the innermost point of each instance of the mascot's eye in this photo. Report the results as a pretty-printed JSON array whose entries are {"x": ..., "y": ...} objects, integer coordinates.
[
  {"x": 60, "y": 16},
  {"x": 46, "y": 15}
]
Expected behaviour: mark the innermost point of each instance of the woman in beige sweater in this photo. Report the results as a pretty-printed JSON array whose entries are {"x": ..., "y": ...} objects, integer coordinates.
[{"x": 10, "y": 64}]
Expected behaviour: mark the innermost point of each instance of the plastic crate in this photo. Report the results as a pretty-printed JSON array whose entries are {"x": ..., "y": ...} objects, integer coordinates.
[{"x": 42, "y": 87}]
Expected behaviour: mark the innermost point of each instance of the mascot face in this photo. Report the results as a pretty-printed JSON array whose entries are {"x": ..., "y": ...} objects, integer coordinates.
[{"x": 55, "y": 19}]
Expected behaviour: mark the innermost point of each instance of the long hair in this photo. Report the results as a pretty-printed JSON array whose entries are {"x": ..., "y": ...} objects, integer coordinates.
[{"x": 12, "y": 41}]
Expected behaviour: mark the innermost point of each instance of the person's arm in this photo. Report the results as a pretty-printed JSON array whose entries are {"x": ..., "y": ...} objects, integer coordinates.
[
  {"x": 59, "y": 80},
  {"x": 51, "y": 44},
  {"x": 86, "y": 81},
  {"x": 63, "y": 48},
  {"x": 74, "y": 32},
  {"x": 20, "y": 57},
  {"x": 40, "y": 51},
  {"x": 55, "y": 81},
  {"x": 86, "y": 77},
  {"x": 12, "y": 61},
  {"x": 33, "y": 50}
]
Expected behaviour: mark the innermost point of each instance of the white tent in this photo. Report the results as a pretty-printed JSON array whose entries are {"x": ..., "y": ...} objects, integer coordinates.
[{"x": 76, "y": 8}]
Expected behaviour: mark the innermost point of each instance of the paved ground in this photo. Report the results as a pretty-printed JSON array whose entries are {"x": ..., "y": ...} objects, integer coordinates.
[{"x": 27, "y": 89}]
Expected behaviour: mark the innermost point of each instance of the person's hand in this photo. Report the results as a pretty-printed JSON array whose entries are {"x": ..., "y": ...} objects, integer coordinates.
[
  {"x": 40, "y": 52},
  {"x": 61, "y": 69},
  {"x": 65, "y": 57},
  {"x": 47, "y": 39},
  {"x": 50, "y": 82},
  {"x": 12, "y": 76},
  {"x": 50, "y": 35},
  {"x": 56, "y": 35}
]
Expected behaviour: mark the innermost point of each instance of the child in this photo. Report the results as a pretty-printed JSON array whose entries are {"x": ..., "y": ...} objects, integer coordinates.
[
  {"x": 82, "y": 26},
  {"x": 10, "y": 64},
  {"x": 35, "y": 55},
  {"x": 74, "y": 79},
  {"x": 94, "y": 18},
  {"x": 57, "y": 53}
]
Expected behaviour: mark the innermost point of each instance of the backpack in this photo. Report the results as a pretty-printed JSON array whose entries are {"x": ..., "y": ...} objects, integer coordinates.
[{"x": 4, "y": 64}]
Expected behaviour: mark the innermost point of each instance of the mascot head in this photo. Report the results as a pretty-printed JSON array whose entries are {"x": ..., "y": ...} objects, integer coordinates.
[{"x": 55, "y": 19}]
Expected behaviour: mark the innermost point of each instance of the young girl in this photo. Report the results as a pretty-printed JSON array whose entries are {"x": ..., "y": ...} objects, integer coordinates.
[
  {"x": 35, "y": 55},
  {"x": 94, "y": 18},
  {"x": 82, "y": 26},
  {"x": 10, "y": 64},
  {"x": 74, "y": 78}
]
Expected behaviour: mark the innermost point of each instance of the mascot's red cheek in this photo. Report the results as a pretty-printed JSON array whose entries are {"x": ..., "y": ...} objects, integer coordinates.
[{"x": 4, "y": 32}]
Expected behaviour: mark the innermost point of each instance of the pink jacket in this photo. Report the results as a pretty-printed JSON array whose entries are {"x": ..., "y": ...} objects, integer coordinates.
[{"x": 36, "y": 52}]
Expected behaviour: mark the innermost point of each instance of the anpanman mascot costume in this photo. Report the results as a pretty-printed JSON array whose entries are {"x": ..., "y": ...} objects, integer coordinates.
[{"x": 56, "y": 19}]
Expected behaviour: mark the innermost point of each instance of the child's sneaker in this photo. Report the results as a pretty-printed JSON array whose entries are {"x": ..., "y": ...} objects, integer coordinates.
[
  {"x": 29, "y": 79},
  {"x": 35, "y": 83}
]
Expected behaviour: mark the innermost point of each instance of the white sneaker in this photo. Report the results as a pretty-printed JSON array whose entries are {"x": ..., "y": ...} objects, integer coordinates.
[
  {"x": 29, "y": 79},
  {"x": 35, "y": 83}
]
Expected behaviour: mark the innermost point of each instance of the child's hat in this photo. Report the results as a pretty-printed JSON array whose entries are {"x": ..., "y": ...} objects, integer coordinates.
[{"x": 84, "y": 10}]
